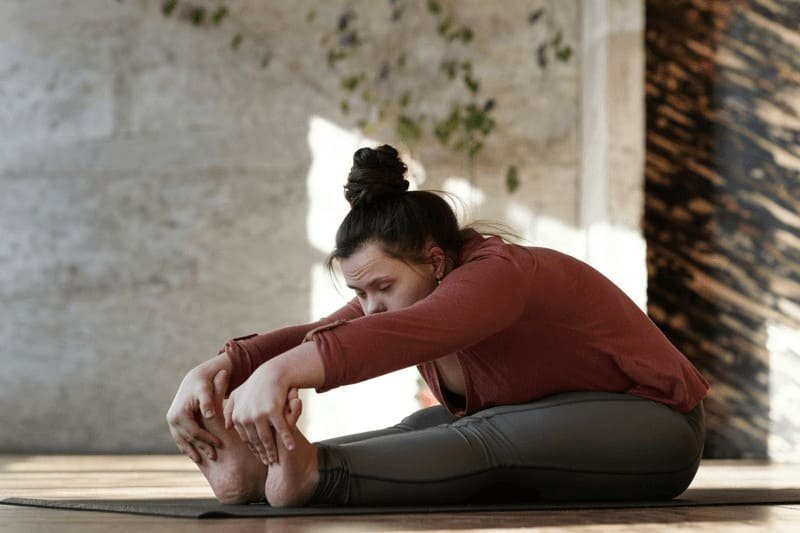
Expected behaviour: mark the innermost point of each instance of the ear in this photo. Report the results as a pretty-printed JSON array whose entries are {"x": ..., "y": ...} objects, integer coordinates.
[{"x": 437, "y": 257}]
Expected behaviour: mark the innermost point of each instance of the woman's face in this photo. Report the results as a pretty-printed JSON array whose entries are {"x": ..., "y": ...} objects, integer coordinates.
[{"x": 383, "y": 283}]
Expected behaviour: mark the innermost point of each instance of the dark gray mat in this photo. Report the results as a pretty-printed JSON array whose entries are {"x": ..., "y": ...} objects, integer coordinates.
[{"x": 211, "y": 508}]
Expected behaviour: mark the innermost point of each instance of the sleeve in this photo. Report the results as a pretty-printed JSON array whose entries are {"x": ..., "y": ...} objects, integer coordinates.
[
  {"x": 250, "y": 351},
  {"x": 476, "y": 300}
]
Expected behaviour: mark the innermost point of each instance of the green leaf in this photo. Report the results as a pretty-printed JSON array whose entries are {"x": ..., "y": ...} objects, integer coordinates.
[
  {"x": 444, "y": 25},
  {"x": 564, "y": 54},
  {"x": 405, "y": 99},
  {"x": 197, "y": 15},
  {"x": 351, "y": 82},
  {"x": 472, "y": 84},
  {"x": 512, "y": 179},
  {"x": 344, "y": 106},
  {"x": 474, "y": 148},
  {"x": 311, "y": 15},
  {"x": 335, "y": 55},
  {"x": 168, "y": 7},
  {"x": 466, "y": 34},
  {"x": 219, "y": 14},
  {"x": 444, "y": 129},
  {"x": 236, "y": 41},
  {"x": 557, "y": 39},
  {"x": 407, "y": 130},
  {"x": 362, "y": 124},
  {"x": 434, "y": 7}
]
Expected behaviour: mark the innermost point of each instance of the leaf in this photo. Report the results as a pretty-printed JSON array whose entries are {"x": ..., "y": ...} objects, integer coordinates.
[
  {"x": 311, "y": 15},
  {"x": 168, "y": 7},
  {"x": 219, "y": 14},
  {"x": 236, "y": 41},
  {"x": 407, "y": 130},
  {"x": 564, "y": 54},
  {"x": 405, "y": 99},
  {"x": 444, "y": 129},
  {"x": 434, "y": 7},
  {"x": 557, "y": 39},
  {"x": 335, "y": 55},
  {"x": 466, "y": 34},
  {"x": 472, "y": 84},
  {"x": 512, "y": 179},
  {"x": 351, "y": 82},
  {"x": 197, "y": 15},
  {"x": 344, "y": 106},
  {"x": 444, "y": 25},
  {"x": 534, "y": 16}
]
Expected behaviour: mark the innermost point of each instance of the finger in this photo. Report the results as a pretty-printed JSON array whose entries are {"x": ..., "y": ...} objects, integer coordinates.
[
  {"x": 221, "y": 382},
  {"x": 293, "y": 393},
  {"x": 188, "y": 450},
  {"x": 254, "y": 438},
  {"x": 282, "y": 430},
  {"x": 266, "y": 439},
  {"x": 206, "y": 400},
  {"x": 227, "y": 412},
  {"x": 193, "y": 431},
  {"x": 295, "y": 406}
]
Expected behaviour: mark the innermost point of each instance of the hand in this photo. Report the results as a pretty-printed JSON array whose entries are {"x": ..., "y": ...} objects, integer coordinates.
[
  {"x": 255, "y": 408},
  {"x": 201, "y": 389}
]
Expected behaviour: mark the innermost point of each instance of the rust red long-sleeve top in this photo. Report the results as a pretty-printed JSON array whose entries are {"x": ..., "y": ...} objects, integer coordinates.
[{"x": 524, "y": 321}]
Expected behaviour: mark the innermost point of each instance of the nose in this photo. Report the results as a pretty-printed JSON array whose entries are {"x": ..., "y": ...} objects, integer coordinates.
[{"x": 375, "y": 306}]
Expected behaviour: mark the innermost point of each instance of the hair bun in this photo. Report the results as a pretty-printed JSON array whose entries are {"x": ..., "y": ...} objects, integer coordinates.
[{"x": 376, "y": 172}]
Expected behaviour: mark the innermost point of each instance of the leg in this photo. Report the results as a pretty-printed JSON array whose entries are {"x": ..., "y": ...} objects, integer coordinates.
[
  {"x": 292, "y": 481},
  {"x": 421, "y": 419},
  {"x": 575, "y": 445}
]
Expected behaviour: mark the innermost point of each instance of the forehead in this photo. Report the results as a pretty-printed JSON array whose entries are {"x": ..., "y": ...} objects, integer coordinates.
[{"x": 370, "y": 260}]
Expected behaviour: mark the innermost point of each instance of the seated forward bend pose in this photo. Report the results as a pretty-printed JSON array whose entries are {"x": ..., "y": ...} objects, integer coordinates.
[{"x": 553, "y": 384}]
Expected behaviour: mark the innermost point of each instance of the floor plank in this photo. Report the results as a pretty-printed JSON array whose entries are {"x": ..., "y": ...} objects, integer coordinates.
[{"x": 135, "y": 476}]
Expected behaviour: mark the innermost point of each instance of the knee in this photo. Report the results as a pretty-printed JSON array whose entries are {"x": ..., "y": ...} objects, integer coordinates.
[{"x": 429, "y": 417}]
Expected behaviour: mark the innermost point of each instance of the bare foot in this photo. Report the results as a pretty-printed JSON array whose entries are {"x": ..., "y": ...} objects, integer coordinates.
[
  {"x": 236, "y": 475},
  {"x": 292, "y": 482}
]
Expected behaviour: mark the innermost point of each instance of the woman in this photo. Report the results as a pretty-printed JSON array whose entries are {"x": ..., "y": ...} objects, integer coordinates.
[{"x": 553, "y": 384}]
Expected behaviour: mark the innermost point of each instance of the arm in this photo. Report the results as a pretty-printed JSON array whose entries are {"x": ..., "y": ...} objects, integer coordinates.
[
  {"x": 476, "y": 300},
  {"x": 244, "y": 354}
]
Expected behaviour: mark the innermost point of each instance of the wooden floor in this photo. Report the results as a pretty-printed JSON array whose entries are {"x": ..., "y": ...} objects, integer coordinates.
[{"x": 137, "y": 476}]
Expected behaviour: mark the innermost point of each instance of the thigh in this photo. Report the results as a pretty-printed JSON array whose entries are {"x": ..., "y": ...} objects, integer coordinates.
[
  {"x": 591, "y": 445},
  {"x": 421, "y": 419}
]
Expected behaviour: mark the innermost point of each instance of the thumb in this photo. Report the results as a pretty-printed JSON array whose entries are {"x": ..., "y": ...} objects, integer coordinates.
[
  {"x": 294, "y": 407},
  {"x": 221, "y": 382}
]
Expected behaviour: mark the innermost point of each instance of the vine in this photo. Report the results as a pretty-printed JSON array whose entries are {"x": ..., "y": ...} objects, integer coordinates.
[{"x": 462, "y": 126}]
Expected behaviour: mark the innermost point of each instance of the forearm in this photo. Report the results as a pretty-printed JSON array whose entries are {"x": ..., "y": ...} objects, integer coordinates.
[{"x": 299, "y": 367}]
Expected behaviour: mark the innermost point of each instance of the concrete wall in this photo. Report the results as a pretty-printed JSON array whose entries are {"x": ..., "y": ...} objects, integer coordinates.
[{"x": 161, "y": 192}]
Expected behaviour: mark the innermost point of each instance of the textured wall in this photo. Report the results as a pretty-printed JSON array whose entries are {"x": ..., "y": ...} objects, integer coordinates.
[
  {"x": 161, "y": 192},
  {"x": 723, "y": 196}
]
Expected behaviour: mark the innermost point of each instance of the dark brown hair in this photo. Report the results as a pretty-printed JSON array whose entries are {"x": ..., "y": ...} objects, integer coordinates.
[{"x": 400, "y": 222}]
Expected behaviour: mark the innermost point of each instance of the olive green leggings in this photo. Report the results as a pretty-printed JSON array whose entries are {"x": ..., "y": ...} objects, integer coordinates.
[{"x": 567, "y": 446}]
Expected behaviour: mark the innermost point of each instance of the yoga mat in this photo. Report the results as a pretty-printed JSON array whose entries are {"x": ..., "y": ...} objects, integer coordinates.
[{"x": 211, "y": 508}]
